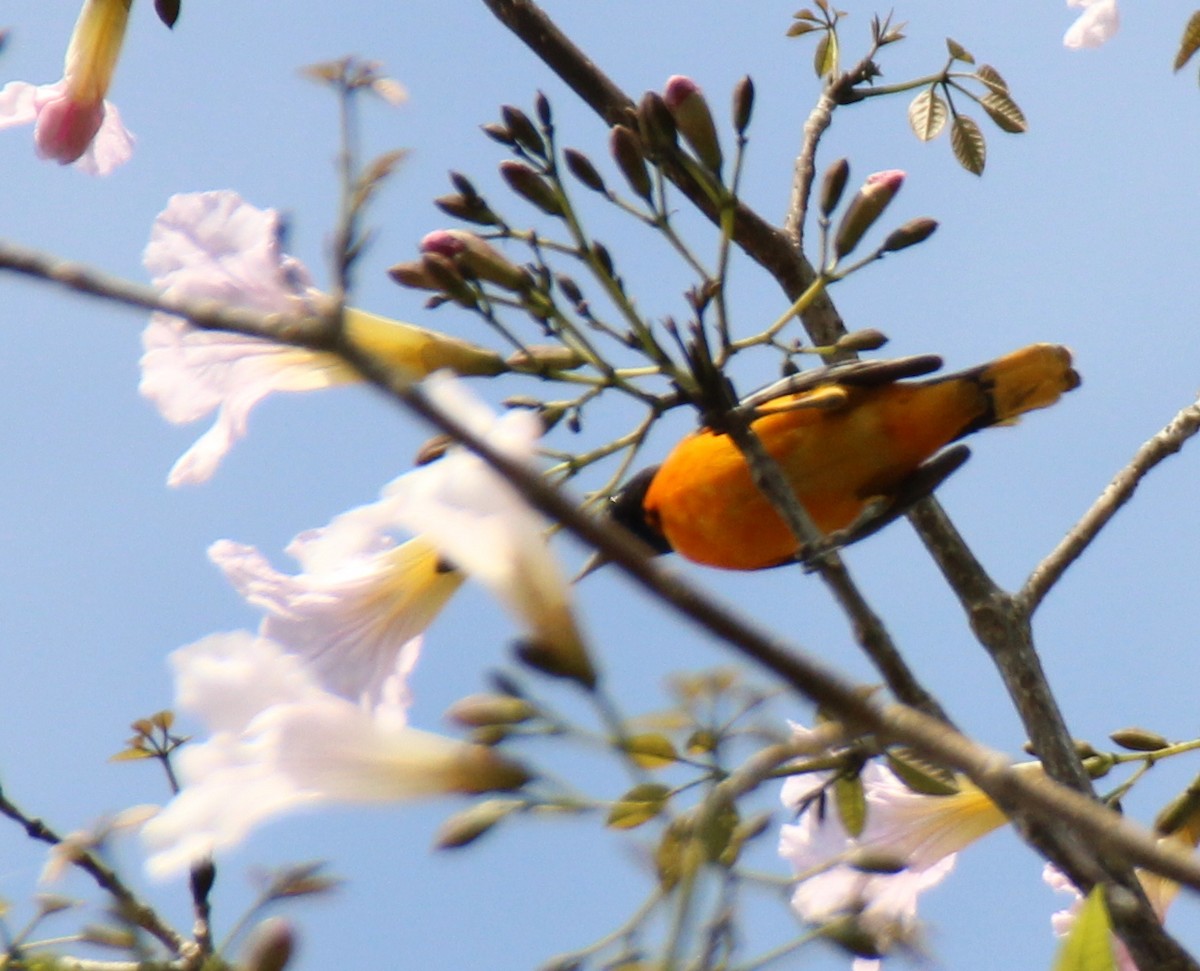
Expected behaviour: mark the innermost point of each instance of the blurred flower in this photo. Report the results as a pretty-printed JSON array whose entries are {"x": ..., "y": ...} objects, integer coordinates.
[
  {"x": 358, "y": 600},
  {"x": 480, "y": 523},
  {"x": 215, "y": 246},
  {"x": 924, "y": 832},
  {"x": 73, "y": 121},
  {"x": 1096, "y": 25},
  {"x": 280, "y": 740},
  {"x": 1062, "y": 921},
  {"x": 1160, "y": 891}
]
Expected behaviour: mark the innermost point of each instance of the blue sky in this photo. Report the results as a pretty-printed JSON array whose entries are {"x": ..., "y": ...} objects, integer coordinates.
[{"x": 1081, "y": 232}]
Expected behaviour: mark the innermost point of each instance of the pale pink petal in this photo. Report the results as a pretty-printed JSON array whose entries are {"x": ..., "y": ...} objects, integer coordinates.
[
  {"x": 1096, "y": 25},
  {"x": 356, "y": 622}
]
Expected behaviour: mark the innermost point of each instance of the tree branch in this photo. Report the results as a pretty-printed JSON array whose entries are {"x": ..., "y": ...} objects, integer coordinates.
[{"x": 1118, "y": 492}]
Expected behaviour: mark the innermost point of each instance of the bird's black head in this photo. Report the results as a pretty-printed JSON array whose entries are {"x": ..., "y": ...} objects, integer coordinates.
[{"x": 627, "y": 508}]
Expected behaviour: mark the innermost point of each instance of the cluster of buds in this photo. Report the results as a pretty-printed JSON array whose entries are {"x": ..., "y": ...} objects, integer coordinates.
[
  {"x": 864, "y": 210},
  {"x": 453, "y": 258}
]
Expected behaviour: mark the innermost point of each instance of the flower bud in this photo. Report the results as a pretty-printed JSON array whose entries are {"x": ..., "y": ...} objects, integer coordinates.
[
  {"x": 476, "y": 258},
  {"x": 627, "y": 151},
  {"x": 562, "y": 657},
  {"x": 867, "y": 339},
  {"x": 447, "y": 278},
  {"x": 582, "y": 168},
  {"x": 433, "y": 449},
  {"x": 866, "y": 207},
  {"x": 656, "y": 125},
  {"x": 471, "y": 209},
  {"x": 413, "y": 274},
  {"x": 479, "y": 769},
  {"x": 912, "y": 232},
  {"x": 743, "y": 104},
  {"x": 526, "y": 183},
  {"x": 693, "y": 119},
  {"x": 523, "y": 130},
  {"x": 1139, "y": 739},
  {"x": 467, "y": 826},
  {"x": 1179, "y": 812},
  {"x": 270, "y": 946},
  {"x": 477, "y": 710},
  {"x": 833, "y": 185}
]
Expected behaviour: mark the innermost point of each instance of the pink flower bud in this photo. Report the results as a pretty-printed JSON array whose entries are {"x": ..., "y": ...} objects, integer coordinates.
[
  {"x": 693, "y": 119},
  {"x": 444, "y": 242},
  {"x": 866, "y": 207}
]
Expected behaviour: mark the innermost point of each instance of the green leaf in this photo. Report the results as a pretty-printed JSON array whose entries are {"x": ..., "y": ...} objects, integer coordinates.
[
  {"x": 1189, "y": 43},
  {"x": 968, "y": 144},
  {"x": 851, "y": 800},
  {"x": 651, "y": 750},
  {"x": 639, "y": 805},
  {"x": 920, "y": 776},
  {"x": 927, "y": 114},
  {"x": 958, "y": 52},
  {"x": 1088, "y": 947},
  {"x": 989, "y": 76},
  {"x": 1005, "y": 113},
  {"x": 825, "y": 59}
]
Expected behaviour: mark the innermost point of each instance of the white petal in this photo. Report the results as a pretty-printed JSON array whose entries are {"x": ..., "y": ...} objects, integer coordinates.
[
  {"x": 1099, "y": 22},
  {"x": 354, "y": 622},
  {"x": 112, "y": 146}
]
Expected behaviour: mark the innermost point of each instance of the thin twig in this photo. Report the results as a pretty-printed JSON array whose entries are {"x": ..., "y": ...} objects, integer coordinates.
[
  {"x": 1118, "y": 492},
  {"x": 1068, "y": 827},
  {"x": 129, "y": 905}
]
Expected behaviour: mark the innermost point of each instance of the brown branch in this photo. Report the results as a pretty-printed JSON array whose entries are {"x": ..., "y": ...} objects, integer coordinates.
[
  {"x": 762, "y": 242},
  {"x": 1069, "y": 828},
  {"x": 129, "y": 905},
  {"x": 1118, "y": 492}
]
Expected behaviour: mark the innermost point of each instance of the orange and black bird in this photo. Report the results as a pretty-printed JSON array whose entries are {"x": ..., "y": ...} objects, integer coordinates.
[{"x": 858, "y": 445}]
